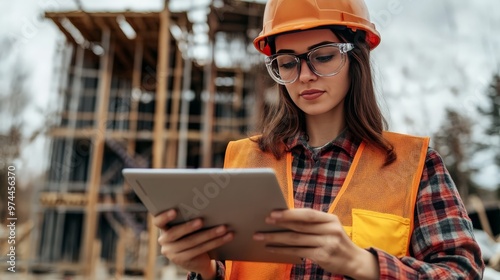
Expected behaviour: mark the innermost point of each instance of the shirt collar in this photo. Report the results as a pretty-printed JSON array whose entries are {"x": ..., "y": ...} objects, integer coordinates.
[{"x": 345, "y": 141}]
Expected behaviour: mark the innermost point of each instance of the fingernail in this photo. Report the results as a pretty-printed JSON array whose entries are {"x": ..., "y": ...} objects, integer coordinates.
[
  {"x": 258, "y": 236},
  {"x": 276, "y": 215},
  {"x": 171, "y": 213},
  {"x": 196, "y": 223},
  {"x": 220, "y": 230},
  {"x": 227, "y": 237},
  {"x": 270, "y": 221}
]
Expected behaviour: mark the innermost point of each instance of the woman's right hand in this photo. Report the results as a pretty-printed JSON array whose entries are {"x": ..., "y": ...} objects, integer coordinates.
[{"x": 190, "y": 252}]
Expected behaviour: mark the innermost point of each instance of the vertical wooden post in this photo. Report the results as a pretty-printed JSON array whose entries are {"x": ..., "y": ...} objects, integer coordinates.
[
  {"x": 104, "y": 86},
  {"x": 173, "y": 135},
  {"x": 184, "y": 118},
  {"x": 236, "y": 122},
  {"x": 63, "y": 183},
  {"x": 161, "y": 89},
  {"x": 210, "y": 75},
  {"x": 120, "y": 254},
  {"x": 159, "y": 126},
  {"x": 95, "y": 259},
  {"x": 134, "y": 102},
  {"x": 136, "y": 89}
]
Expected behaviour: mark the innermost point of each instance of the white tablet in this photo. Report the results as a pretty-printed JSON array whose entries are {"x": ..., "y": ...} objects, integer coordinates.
[{"x": 238, "y": 198}]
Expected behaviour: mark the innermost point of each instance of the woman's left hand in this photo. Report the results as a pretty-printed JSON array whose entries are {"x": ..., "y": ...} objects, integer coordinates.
[{"x": 320, "y": 237}]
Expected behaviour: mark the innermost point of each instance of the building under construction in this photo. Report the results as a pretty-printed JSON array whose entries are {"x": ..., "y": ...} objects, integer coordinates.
[{"x": 133, "y": 93}]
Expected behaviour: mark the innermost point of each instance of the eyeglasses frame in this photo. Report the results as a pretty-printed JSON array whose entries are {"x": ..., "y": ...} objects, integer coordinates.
[{"x": 344, "y": 48}]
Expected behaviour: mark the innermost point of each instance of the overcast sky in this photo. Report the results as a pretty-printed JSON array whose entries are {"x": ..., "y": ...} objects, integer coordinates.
[{"x": 433, "y": 55}]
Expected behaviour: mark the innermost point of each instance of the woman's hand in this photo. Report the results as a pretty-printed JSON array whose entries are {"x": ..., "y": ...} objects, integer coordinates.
[
  {"x": 190, "y": 252},
  {"x": 320, "y": 237}
]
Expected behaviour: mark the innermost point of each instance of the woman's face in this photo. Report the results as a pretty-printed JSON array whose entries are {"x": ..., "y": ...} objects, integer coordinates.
[{"x": 315, "y": 95}]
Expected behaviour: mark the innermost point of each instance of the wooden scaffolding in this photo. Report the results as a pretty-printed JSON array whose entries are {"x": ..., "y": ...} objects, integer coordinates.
[{"x": 130, "y": 96}]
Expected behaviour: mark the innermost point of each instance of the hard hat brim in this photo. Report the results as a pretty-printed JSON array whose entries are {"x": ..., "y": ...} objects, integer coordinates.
[{"x": 372, "y": 35}]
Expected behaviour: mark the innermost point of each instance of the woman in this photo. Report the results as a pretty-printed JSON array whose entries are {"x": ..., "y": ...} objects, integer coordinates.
[{"x": 364, "y": 203}]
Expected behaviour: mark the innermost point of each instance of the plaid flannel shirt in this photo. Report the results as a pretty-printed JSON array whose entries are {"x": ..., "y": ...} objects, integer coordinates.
[{"x": 442, "y": 244}]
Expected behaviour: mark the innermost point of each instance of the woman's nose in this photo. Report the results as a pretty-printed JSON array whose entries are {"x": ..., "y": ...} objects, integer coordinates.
[{"x": 306, "y": 74}]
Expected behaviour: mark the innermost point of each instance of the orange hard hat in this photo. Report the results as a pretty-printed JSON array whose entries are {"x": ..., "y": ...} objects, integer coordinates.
[{"x": 292, "y": 15}]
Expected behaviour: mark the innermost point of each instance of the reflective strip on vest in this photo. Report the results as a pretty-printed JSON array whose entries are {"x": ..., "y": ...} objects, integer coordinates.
[{"x": 375, "y": 204}]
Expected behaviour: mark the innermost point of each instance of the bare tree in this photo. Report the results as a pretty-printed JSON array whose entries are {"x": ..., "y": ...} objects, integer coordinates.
[
  {"x": 13, "y": 100},
  {"x": 453, "y": 142},
  {"x": 492, "y": 131}
]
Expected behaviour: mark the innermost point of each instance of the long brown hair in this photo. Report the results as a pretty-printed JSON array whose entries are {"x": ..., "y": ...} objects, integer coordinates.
[{"x": 362, "y": 113}]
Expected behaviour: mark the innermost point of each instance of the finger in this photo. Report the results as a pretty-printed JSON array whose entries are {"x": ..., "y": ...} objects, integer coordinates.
[
  {"x": 301, "y": 215},
  {"x": 290, "y": 239},
  {"x": 302, "y": 252},
  {"x": 310, "y": 228},
  {"x": 202, "y": 248},
  {"x": 198, "y": 238},
  {"x": 177, "y": 232},
  {"x": 162, "y": 219}
]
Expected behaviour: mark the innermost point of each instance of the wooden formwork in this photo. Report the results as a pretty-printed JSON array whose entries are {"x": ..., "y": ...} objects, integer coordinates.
[{"x": 125, "y": 104}]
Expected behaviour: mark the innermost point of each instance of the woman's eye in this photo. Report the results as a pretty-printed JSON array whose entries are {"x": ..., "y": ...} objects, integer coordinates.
[
  {"x": 289, "y": 65},
  {"x": 324, "y": 58}
]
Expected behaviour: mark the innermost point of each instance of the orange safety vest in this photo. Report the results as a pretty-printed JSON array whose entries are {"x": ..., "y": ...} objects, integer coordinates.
[{"x": 375, "y": 204}]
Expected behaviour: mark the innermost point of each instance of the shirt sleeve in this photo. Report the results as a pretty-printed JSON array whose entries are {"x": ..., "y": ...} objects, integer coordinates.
[
  {"x": 219, "y": 274},
  {"x": 442, "y": 243}
]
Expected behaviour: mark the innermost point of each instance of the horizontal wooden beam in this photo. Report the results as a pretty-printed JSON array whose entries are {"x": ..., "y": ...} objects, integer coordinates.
[
  {"x": 69, "y": 37},
  {"x": 101, "y": 14},
  {"x": 192, "y": 135}
]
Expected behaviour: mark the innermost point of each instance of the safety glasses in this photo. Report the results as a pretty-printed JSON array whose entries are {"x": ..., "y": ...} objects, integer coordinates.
[{"x": 325, "y": 61}]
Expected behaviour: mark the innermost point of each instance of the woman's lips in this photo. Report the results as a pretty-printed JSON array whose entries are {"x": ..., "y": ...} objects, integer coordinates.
[{"x": 311, "y": 94}]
